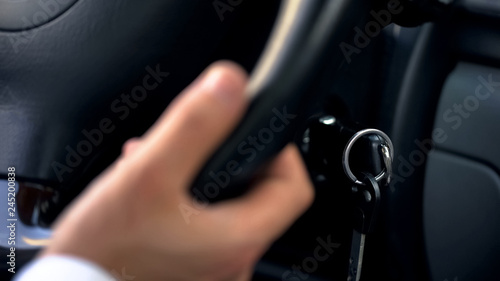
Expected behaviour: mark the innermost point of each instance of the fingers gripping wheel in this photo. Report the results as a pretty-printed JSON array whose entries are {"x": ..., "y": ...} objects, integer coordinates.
[
  {"x": 302, "y": 37},
  {"x": 55, "y": 102}
]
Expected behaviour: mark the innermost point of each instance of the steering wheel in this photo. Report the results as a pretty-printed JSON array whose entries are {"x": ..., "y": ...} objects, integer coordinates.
[
  {"x": 62, "y": 72},
  {"x": 80, "y": 77}
]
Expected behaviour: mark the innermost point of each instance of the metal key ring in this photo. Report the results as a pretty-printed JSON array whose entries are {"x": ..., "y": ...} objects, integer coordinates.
[{"x": 347, "y": 150}]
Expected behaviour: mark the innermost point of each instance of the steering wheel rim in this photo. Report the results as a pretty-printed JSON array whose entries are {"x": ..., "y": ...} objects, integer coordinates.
[{"x": 303, "y": 33}]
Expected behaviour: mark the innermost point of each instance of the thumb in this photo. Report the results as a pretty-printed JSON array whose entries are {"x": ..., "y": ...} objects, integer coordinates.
[{"x": 197, "y": 122}]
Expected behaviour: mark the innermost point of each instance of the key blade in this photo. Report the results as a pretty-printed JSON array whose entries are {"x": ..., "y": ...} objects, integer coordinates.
[{"x": 356, "y": 259}]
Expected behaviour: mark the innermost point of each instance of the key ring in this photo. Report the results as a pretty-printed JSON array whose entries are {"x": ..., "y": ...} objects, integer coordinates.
[{"x": 387, "y": 153}]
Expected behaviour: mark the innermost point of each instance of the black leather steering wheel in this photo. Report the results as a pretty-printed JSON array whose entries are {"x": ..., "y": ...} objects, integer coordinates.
[
  {"x": 78, "y": 78},
  {"x": 71, "y": 93}
]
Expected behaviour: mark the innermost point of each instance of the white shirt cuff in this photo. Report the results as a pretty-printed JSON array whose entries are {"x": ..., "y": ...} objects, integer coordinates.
[{"x": 62, "y": 268}]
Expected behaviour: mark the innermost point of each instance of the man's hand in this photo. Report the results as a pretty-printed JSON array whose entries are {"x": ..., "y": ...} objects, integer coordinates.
[{"x": 129, "y": 217}]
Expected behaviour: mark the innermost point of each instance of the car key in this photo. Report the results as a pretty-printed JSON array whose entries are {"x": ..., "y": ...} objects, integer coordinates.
[{"x": 366, "y": 202}]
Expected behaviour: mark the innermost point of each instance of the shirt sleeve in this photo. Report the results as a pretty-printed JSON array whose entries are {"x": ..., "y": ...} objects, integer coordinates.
[{"x": 62, "y": 268}]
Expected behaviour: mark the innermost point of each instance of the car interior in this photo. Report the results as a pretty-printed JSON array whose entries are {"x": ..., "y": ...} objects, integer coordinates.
[{"x": 402, "y": 96}]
